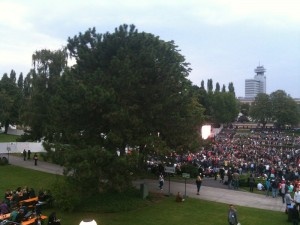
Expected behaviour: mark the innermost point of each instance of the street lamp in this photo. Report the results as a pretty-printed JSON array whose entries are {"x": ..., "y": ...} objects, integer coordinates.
[{"x": 88, "y": 222}]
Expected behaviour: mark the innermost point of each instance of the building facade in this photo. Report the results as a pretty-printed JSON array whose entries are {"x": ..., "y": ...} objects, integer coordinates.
[{"x": 257, "y": 84}]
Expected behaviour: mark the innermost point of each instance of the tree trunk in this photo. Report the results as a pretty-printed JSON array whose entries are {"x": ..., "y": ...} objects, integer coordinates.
[{"x": 6, "y": 126}]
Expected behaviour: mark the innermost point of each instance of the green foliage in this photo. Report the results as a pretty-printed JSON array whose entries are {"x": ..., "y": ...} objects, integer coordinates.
[
  {"x": 96, "y": 169},
  {"x": 220, "y": 107},
  {"x": 3, "y": 161},
  {"x": 277, "y": 107},
  {"x": 284, "y": 109},
  {"x": 191, "y": 169},
  {"x": 10, "y": 100},
  {"x": 66, "y": 195},
  {"x": 244, "y": 109},
  {"x": 261, "y": 109}
]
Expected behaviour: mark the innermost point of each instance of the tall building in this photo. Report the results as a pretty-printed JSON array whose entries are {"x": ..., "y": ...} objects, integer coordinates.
[{"x": 257, "y": 84}]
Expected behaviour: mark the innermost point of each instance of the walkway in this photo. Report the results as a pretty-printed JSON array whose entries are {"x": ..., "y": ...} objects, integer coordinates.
[{"x": 214, "y": 194}]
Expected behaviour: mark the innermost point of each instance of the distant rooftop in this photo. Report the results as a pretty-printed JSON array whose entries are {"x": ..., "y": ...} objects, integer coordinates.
[{"x": 260, "y": 70}]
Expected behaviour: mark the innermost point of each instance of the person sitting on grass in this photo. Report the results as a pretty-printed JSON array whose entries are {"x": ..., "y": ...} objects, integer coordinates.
[
  {"x": 179, "y": 197},
  {"x": 52, "y": 220}
]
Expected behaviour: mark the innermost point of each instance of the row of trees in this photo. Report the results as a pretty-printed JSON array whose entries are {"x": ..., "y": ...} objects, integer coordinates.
[{"x": 277, "y": 108}]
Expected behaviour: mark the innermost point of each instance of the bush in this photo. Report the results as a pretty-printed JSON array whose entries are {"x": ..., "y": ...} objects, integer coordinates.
[
  {"x": 3, "y": 161},
  {"x": 66, "y": 196},
  {"x": 192, "y": 170}
]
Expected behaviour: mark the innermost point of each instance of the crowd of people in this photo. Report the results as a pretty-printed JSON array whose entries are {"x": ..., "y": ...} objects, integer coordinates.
[
  {"x": 22, "y": 204},
  {"x": 261, "y": 153},
  {"x": 269, "y": 156}
]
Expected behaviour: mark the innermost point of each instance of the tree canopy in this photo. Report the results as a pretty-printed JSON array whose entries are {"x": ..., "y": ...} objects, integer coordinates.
[{"x": 277, "y": 107}]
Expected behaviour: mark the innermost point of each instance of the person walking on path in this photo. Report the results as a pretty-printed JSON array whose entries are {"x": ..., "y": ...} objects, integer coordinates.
[
  {"x": 236, "y": 180},
  {"x": 274, "y": 185},
  {"x": 28, "y": 154},
  {"x": 198, "y": 183},
  {"x": 24, "y": 154},
  {"x": 161, "y": 181},
  {"x": 268, "y": 187},
  {"x": 232, "y": 215},
  {"x": 251, "y": 181},
  {"x": 35, "y": 157}
]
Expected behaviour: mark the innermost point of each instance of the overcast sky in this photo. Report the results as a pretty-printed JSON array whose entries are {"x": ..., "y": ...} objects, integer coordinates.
[{"x": 224, "y": 40}]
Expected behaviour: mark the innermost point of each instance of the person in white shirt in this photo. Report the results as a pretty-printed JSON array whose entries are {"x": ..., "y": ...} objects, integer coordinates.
[
  {"x": 260, "y": 187},
  {"x": 297, "y": 198}
]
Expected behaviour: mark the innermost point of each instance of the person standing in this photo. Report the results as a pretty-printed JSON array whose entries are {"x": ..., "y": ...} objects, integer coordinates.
[
  {"x": 288, "y": 200},
  {"x": 222, "y": 174},
  {"x": 232, "y": 215},
  {"x": 297, "y": 198},
  {"x": 274, "y": 185},
  {"x": 35, "y": 157},
  {"x": 28, "y": 154},
  {"x": 283, "y": 189},
  {"x": 229, "y": 176},
  {"x": 251, "y": 181},
  {"x": 268, "y": 186},
  {"x": 24, "y": 154},
  {"x": 161, "y": 181},
  {"x": 236, "y": 180},
  {"x": 198, "y": 183},
  {"x": 295, "y": 215}
]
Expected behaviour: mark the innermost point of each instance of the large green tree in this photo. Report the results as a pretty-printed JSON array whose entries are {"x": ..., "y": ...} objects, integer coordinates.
[
  {"x": 220, "y": 107},
  {"x": 127, "y": 89},
  {"x": 261, "y": 109},
  {"x": 225, "y": 107},
  {"x": 39, "y": 88},
  {"x": 10, "y": 100},
  {"x": 284, "y": 109}
]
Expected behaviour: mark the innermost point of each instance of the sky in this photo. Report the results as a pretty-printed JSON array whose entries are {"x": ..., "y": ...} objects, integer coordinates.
[{"x": 223, "y": 40}]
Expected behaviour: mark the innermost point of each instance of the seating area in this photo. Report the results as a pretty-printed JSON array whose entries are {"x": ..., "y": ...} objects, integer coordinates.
[{"x": 22, "y": 206}]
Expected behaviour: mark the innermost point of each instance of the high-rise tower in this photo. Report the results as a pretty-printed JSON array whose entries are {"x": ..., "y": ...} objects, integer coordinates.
[{"x": 257, "y": 84}]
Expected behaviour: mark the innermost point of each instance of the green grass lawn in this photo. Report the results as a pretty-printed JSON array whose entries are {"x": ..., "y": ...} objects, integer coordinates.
[
  {"x": 157, "y": 210},
  {"x": 8, "y": 138}
]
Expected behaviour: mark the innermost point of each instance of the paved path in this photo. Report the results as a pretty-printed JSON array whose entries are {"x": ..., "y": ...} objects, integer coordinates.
[
  {"x": 42, "y": 166},
  {"x": 220, "y": 194}
]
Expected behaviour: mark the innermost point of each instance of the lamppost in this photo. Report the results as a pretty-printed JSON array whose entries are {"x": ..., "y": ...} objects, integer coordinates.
[{"x": 88, "y": 222}]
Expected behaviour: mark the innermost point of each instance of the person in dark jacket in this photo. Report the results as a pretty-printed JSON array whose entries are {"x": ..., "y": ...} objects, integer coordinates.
[
  {"x": 24, "y": 154},
  {"x": 198, "y": 184},
  {"x": 294, "y": 215},
  {"x": 52, "y": 220},
  {"x": 35, "y": 157},
  {"x": 251, "y": 181},
  {"x": 232, "y": 215}
]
